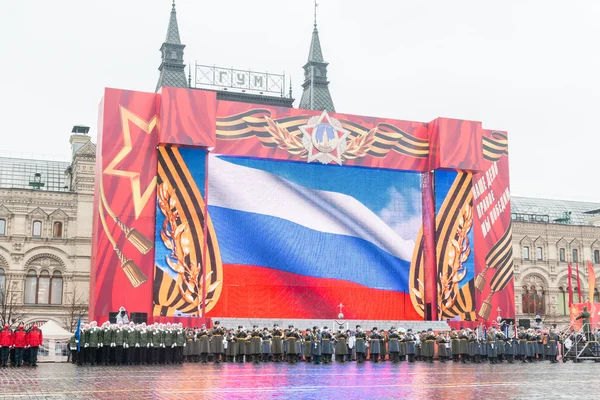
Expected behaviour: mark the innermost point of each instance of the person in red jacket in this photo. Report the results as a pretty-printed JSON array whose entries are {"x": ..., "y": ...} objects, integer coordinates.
[
  {"x": 34, "y": 341},
  {"x": 6, "y": 341},
  {"x": 19, "y": 342}
]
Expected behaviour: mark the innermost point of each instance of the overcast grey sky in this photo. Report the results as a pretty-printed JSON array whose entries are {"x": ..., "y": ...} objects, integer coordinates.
[{"x": 531, "y": 68}]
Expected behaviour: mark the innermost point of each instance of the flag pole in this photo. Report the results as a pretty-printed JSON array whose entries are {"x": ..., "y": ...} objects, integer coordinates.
[
  {"x": 578, "y": 282},
  {"x": 570, "y": 272}
]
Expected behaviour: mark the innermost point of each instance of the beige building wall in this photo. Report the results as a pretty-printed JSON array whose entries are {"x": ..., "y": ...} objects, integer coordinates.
[{"x": 27, "y": 258}]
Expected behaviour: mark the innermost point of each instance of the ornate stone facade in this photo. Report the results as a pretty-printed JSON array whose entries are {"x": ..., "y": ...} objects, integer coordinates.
[
  {"x": 46, "y": 234},
  {"x": 542, "y": 251}
]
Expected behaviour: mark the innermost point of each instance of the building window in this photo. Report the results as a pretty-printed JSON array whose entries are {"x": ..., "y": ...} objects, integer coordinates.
[
  {"x": 2, "y": 227},
  {"x": 2, "y": 285},
  {"x": 562, "y": 301},
  {"x": 561, "y": 254},
  {"x": 596, "y": 296},
  {"x": 538, "y": 253},
  {"x": 525, "y": 253},
  {"x": 596, "y": 256},
  {"x": 56, "y": 288},
  {"x": 37, "y": 229},
  {"x": 30, "y": 287},
  {"x": 43, "y": 292},
  {"x": 57, "y": 230},
  {"x": 575, "y": 255}
]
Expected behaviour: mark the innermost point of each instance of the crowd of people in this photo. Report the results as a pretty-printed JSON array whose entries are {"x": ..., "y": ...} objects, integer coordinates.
[
  {"x": 131, "y": 343},
  {"x": 19, "y": 346}
]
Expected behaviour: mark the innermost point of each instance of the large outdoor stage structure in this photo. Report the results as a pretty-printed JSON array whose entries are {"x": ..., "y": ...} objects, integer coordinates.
[{"x": 210, "y": 208}]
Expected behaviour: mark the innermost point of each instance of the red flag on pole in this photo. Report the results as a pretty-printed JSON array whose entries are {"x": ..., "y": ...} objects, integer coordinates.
[
  {"x": 591, "y": 281},
  {"x": 578, "y": 282},
  {"x": 570, "y": 272}
]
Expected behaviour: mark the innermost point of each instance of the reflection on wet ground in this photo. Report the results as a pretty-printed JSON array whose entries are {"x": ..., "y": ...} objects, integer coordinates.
[{"x": 300, "y": 381}]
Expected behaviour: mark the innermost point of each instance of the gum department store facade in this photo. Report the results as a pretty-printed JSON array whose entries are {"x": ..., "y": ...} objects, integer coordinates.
[{"x": 46, "y": 219}]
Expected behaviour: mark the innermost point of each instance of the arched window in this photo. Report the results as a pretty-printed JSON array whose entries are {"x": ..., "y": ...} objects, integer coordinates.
[
  {"x": 596, "y": 256},
  {"x": 57, "y": 230},
  {"x": 538, "y": 254},
  {"x": 2, "y": 227},
  {"x": 2, "y": 285},
  {"x": 561, "y": 254},
  {"x": 56, "y": 288},
  {"x": 43, "y": 288},
  {"x": 575, "y": 255},
  {"x": 525, "y": 300},
  {"x": 30, "y": 287},
  {"x": 37, "y": 229},
  {"x": 526, "y": 253},
  {"x": 563, "y": 301}
]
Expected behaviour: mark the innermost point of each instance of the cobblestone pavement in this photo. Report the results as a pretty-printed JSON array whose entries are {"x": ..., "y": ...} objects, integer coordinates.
[{"x": 300, "y": 381}]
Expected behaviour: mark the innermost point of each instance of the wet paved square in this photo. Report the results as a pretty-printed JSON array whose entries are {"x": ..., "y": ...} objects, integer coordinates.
[{"x": 300, "y": 381}]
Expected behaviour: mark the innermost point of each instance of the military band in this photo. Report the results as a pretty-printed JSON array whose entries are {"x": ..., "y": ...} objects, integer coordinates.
[{"x": 131, "y": 343}]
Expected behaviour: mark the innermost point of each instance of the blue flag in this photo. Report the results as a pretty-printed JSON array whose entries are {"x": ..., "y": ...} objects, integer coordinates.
[{"x": 78, "y": 334}]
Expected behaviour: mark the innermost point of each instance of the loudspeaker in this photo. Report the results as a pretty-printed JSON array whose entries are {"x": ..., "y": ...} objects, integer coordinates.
[
  {"x": 138, "y": 317},
  {"x": 112, "y": 317},
  {"x": 525, "y": 323}
]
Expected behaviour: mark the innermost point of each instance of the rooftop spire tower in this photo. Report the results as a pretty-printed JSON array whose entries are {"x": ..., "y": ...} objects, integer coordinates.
[
  {"x": 315, "y": 95},
  {"x": 172, "y": 68}
]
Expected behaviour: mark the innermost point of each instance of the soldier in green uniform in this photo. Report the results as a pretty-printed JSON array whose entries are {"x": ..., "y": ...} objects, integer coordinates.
[
  {"x": 492, "y": 347},
  {"x": 104, "y": 342},
  {"x": 402, "y": 344},
  {"x": 277, "y": 345},
  {"x": 394, "y": 345},
  {"x": 383, "y": 346},
  {"x": 585, "y": 320},
  {"x": 181, "y": 342},
  {"x": 290, "y": 339},
  {"x": 316, "y": 347},
  {"x": 374, "y": 344},
  {"x": 119, "y": 341},
  {"x": 308, "y": 338},
  {"x": 455, "y": 344},
  {"x": 189, "y": 344},
  {"x": 255, "y": 344},
  {"x": 203, "y": 343},
  {"x": 168, "y": 344},
  {"x": 154, "y": 338},
  {"x": 240, "y": 335},
  {"x": 463, "y": 348},
  {"x": 361, "y": 344},
  {"x": 326, "y": 345},
  {"x": 231, "y": 346},
  {"x": 428, "y": 346},
  {"x": 130, "y": 341},
  {"x": 145, "y": 349},
  {"x": 443, "y": 344},
  {"x": 341, "y": 349},
  {"x": 411, "y": 350},
  {"x": 73, "y": 349},
  {"x": 265, "y": 348},
  {"x": 552, "y": 349},
  {"x": 92, "y": 336},
  {"x": 216, "y": 343}
]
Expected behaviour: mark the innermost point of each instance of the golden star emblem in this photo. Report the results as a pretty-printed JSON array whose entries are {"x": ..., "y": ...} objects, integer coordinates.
[{"x": 139, "y": 199}]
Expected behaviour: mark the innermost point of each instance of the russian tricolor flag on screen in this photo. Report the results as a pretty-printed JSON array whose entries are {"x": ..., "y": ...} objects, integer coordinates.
[{"x": 301, "y": 238}]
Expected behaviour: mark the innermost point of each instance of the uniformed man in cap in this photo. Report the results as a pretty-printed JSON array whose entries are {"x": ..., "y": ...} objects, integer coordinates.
[
  {"x": 552, "y": 349},
  {"x": 240, "y": 335},
  {"x": 374, "y": 344},
  {"x": 290, "y": 340},
  {"x": 255, "y": 344},
  {"x": 411, "y": 350},
  {"x": 463, "y": 348},
  {"x": 277, "y": 344},
  {"x": 492, "y": 347},
  {"x": 266, "y": 345},
  {"x": 231, "y": 346},
  {"x": 341, "y": 349},
  {"x": 308, "y": 338},
  {"x": 585, "y": 320},
  {"x": 326, "y": 345},
  {"x": 216, "y": 342},
  {"x": 91, "y": 343},
  {"x": 316, "y": 345},
  {"x": 428, "y": 346},
  {"x": 361, "y": 344},
  {"x": 443, "y": 346},
  {"x": 203, "y": 337},
  {"x": 455, "y": 344},
  {"x": 394, "y": 345},
  {"x": 144, "y": 350},
  {"x": 119, "y": 341}
]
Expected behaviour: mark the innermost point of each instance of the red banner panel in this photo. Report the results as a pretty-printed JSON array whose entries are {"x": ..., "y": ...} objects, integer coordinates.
[
  {"x": 187, "y": 117},
  {"x": 294, "y": 212},
  {"x": 124, "y": 216}
]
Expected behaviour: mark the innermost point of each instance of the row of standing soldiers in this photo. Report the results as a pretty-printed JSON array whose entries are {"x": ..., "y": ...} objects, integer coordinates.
[{"x": 166, "y": 343}]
